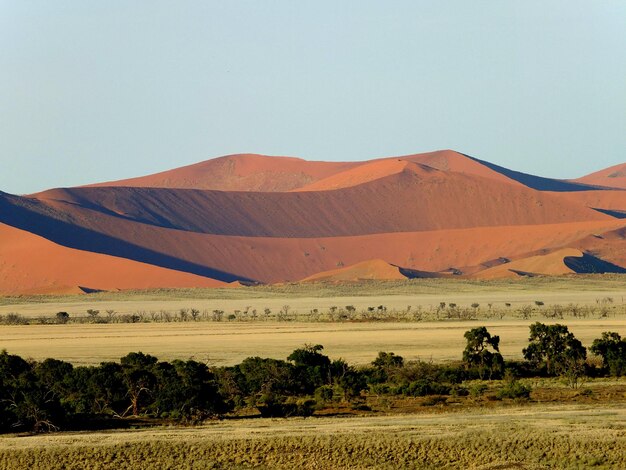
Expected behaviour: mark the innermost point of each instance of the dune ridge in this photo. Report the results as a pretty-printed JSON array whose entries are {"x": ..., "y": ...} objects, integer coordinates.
[{"x": 254, "y": 218}]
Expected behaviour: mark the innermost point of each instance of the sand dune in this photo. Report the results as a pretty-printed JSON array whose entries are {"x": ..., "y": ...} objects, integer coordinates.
[
  {"x": 415, "y": 199},
  {"x": 276, "y": 259},
  {"x": 365, "y": 173},
  {"x": 370, "y": 269},
  {"x": 612, "y": 177},
  {"x": 276, "y": 219},
  {"x": 30, "y": 264},
  {"x": 241, "y": 172},
  {"x": 559, "y": 262}
]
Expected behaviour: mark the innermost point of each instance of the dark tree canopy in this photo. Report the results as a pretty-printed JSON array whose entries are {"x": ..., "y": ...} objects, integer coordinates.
[{"x": 554, "y": 347}]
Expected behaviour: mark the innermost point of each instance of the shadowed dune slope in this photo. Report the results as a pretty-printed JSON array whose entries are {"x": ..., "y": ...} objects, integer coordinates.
[
  {"x": 242, "y": 172},
  {"x": 30, "y": 264},
  {"x": 537, "y": 182},
  {"x": 415, "y": 199},
  {"x": 612, "y": 177},
  {"x": 563, "y": 261},
  {"x": 272, "y": 259}
]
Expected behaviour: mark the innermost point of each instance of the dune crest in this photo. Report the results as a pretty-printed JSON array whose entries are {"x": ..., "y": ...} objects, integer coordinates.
[{"x": 612, "y": 177}]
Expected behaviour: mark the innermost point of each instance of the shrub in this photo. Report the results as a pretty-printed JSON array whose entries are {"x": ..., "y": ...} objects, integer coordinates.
[{"x": 514, "y": 389}]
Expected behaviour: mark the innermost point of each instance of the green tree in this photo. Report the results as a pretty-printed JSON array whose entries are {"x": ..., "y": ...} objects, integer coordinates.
[
  {"x": 482, "y": 353},
  {"x": 555, "y": 348},
  {"x": 139, "y": 378},
  {"x": 612, "y": 349}
]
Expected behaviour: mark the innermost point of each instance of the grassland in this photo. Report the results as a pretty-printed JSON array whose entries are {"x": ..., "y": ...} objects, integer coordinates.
[
  {"x": 548, "y": 432},
  {"x": 583, "y": 290},
  {"x": 516, "y": 437},
  {"x": 226, "y": 343}
]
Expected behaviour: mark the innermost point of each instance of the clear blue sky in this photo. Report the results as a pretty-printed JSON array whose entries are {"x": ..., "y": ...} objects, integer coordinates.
[{"x": 93, "y": 91}]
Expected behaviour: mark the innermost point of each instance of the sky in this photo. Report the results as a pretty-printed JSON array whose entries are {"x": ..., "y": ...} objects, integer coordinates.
[{"x": 102, "y": 90}]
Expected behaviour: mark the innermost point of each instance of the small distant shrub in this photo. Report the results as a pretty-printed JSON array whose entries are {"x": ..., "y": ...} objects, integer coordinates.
[
  {"x": 435, "y": 400},
  {"x": 15, "y": 319},
  {"x": 477, "y": 390},
  {"x": 514, "y": 389},
  {"x": 62, "y": 317}
]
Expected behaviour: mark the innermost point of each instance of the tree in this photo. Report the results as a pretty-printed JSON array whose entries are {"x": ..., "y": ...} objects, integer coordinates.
[
  {"x": 312, "y": 367},
  {"x": 387, "y": 360},
  {"x": 482, "y": 353},
  {"x": 556, "y": 349},
  {"x": 139, "y": 379},
  {"x": 186, "y": 389},
  {"x": 612, "y": 349}
]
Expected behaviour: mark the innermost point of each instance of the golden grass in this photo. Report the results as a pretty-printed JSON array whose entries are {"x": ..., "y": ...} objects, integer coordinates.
[
  {"x": 227, "y": 343},
  {"x": 524, "y": 437},
  {"x": 302, "y": 298}
]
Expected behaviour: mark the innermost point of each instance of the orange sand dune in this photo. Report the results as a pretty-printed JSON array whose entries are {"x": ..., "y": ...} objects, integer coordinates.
[
  {"x": 550, "y": 264},
  {"x": 370, "y": 269},
  {"x": 415, "y": 199},
  {"x": 612, "y": 177},
  {"x": 242, "y": 172},
  {"x": 609, "y": 245},
  {"x": 610, "y": 200},
  {"x": 449, "y": 160},
  {"x": 559, "y": 262},
  {"x": 30, "y": 264},
  {"x": 272, "y": 259},
  {"x": 365, "y": 173}
]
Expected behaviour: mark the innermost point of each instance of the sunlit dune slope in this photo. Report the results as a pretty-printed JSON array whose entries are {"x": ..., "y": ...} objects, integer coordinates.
[
  {"x": 242, "y": 172},
  {"x": 31, "y": 264},
  {"x": 613, "y": 177},
  {"x": 373, "y": 269}
]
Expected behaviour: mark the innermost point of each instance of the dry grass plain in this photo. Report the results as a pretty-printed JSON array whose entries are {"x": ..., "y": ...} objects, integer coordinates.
[
  {"x": 515, "y": 437},
  {"x": 229, "y": 343},
  {"x": 226, "y": 343},
  {"x": 427, "y": 293}
]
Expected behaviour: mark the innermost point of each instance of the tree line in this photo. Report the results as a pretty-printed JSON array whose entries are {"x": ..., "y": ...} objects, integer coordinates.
[{"x": 52, "y": 394}]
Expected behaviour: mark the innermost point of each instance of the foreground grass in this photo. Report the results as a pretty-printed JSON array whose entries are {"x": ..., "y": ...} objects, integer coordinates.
[{"x": 520, "y": 436}]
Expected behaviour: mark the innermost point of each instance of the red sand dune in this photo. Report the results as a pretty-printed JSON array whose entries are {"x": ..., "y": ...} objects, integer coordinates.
[
  {"x": 612, "y": 177},
  {"x": 449, "y": 160},
  {"x": 30, "y": 264},
  {"x": 242, "y": 172},
  {"x": 427, "y": 212},
  {"x": 610, "y": 200},
  {"x": 277, "y": 259},
  {"x": 549, "y": 264},
  {"x": 365, "y": 173},
  {"x": 369, "y": 269},
  {"x": 415, "y": 199}
]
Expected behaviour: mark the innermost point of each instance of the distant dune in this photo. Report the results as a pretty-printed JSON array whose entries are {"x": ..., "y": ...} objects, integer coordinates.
[
  {"x": 374, "y": 269},
  {"x": 563, "y": 261},
  {"x": 612, "y": 177},
  {"x": 275, "y": 219},
  {"x": 241, "y": 172}
]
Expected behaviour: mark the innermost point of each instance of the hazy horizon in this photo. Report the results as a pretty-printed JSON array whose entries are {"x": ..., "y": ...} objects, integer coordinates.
[{"x": 95, "y": 91}]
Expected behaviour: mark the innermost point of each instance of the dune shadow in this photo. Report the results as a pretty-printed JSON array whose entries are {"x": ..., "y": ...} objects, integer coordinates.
[{"x": 74, "y": 236}]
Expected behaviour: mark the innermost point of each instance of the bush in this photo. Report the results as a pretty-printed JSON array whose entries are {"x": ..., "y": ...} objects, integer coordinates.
[
  {"x": 514, "y": 389},
  {"x": 424, "y": 387}
]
